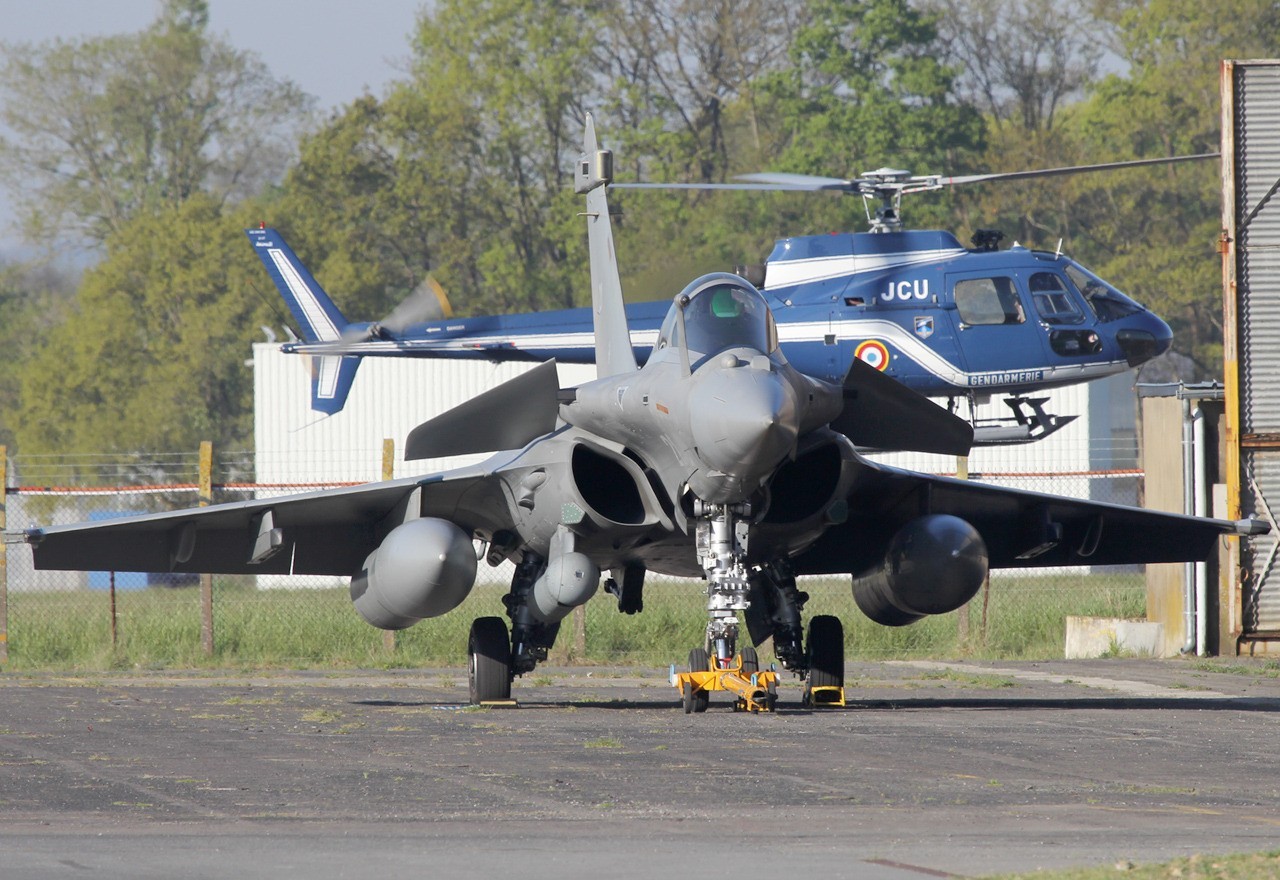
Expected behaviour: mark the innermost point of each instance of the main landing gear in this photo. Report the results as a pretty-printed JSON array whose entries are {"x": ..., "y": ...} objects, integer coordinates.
[
  {"x": 767, "y": 591},
  {"x": 495, "y": 658},
  {"x": 489, "y": 661},
  {"x": 826, "y": 662}
]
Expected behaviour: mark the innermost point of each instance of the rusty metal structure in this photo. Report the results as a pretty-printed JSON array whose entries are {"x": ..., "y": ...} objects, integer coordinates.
[{"x": 1250, "y": 248}]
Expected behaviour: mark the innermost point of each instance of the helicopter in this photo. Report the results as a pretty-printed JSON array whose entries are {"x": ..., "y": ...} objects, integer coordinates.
[{"x": 951, "y": 322}]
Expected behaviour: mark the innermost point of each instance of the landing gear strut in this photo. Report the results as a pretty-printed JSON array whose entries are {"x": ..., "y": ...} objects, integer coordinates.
[
  {"x": 531, "y": 639},
  {"x": 722, "y": 549},
  {"x": 776, "y": 604},
  {"x": 494, "y": 658}
]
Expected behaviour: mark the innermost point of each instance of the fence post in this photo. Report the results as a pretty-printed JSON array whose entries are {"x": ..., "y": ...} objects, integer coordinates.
[
  {"x": 4, "y": 560},
  {"x": 388, "y": 473},
  {"x": 206, "y": 580},
  {"x": 579, "y": 633},
  {"x": 111, "y": 587},
  {"x": 962, "y": 616}
]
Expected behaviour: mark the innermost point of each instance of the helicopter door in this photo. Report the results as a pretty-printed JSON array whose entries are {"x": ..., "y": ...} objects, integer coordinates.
[
  {"x": 1071, "y": 334},
  {"x": 1000, "y": 340}
]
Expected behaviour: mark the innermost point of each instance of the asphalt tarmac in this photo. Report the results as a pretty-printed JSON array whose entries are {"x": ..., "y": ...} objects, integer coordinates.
[{"x": 932, "y": 770}]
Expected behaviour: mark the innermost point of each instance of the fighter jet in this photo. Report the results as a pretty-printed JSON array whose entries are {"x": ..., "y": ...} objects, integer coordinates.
[{"x": 717, "y": 460}]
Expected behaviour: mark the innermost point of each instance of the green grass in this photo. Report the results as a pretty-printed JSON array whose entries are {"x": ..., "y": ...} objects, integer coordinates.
[{"x": 159, "y": 628}]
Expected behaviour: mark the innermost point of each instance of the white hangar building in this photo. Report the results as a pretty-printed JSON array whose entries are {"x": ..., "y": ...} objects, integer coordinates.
[{"x": 297, "y": 446}]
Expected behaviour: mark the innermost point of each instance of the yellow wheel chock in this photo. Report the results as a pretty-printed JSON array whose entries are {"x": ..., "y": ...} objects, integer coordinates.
[
  {"x": 828, "y": 695},
  {"x": 756, "y": 691}
]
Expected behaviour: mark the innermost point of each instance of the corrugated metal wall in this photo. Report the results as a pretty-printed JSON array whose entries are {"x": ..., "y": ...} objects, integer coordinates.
[
  {"x": 1257, "y": 209},
  {"x": 1251, "y": 91}
]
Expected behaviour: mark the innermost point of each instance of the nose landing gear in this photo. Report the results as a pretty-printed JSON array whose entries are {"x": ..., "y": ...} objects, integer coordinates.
[
  {"x": 756, "y": 691},
  {"x": 722, "y": 534}
]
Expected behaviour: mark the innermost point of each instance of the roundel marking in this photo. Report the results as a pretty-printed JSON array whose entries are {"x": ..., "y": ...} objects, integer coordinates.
[{"x": 873, "y": 352}]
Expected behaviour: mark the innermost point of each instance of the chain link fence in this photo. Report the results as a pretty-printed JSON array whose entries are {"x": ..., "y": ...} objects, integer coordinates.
[{"x": 98, "y": 620}]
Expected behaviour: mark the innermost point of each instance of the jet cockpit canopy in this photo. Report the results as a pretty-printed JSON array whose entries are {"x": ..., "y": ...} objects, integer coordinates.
[{"x": 718, "y": 312}]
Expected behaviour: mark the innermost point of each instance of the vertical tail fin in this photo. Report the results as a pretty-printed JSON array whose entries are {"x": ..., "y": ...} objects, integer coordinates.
[
  {"x": 614, "y": 354},
  {"x": 318, "y": 318}
]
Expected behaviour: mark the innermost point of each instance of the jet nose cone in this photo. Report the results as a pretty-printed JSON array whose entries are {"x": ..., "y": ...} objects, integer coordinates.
[
  {"x": 1144, "y": 338},
  {"x": 744, "y": 421}
]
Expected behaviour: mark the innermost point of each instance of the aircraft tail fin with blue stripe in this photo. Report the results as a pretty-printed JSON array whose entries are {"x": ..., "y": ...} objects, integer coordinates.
[{"x": 318, "y": 318}]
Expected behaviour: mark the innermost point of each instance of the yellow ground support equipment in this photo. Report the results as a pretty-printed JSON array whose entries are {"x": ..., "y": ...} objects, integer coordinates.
[
  {"x": 756, "y": 691},
  {"x": 829, "y": 695}
]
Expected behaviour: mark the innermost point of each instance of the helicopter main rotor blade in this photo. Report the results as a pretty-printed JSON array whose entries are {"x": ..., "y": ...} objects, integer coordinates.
[
  {"x": 894, "y": 180},
  {"x": 798, "y": 181},
  {"x": 765, "y": 187},
  {"x": 1070, "y": 169},
  {"x": 889, "y": 185}
]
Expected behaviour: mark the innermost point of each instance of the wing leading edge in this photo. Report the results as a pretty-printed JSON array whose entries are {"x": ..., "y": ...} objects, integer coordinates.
[
  {"x": 329, "y": 532},
  {"x": 1020, "y": 529}
]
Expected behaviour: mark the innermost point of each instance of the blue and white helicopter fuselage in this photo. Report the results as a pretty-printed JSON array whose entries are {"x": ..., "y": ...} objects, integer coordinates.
[{"x": 948, "y": 321}]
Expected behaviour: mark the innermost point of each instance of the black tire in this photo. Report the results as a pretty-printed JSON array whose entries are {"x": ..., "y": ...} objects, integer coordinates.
[
  {"x": 826, "y": 652},
  {"x": 489, "y": 650},
  {"x": 700, "y": 661},
  {"x": 686, "y": 694}
]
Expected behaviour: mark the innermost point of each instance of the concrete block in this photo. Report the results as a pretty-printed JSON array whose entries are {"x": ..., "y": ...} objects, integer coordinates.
[{"x": 1102, "y": 636}]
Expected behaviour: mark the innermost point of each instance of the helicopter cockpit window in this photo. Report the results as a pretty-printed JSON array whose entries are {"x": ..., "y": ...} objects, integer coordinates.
[
  {"x": 726, "y": 314},
  {"x": 988, "y": 301},
  {"x": 1106, "y": 302},
  {"x": 1053, "y": 300}
]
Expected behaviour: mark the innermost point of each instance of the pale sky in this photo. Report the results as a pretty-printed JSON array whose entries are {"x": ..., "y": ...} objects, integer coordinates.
[{"x": 332, "y": 49}]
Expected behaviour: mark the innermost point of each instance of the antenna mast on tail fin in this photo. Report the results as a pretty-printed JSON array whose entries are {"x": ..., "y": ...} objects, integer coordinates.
[{"x": 613, "y": 340}]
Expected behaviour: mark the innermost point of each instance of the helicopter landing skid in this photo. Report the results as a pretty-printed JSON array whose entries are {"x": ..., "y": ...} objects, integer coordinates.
[{"x": 1028, "y": 424}]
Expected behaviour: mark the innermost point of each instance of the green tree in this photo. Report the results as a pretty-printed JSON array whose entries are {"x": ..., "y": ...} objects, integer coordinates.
[
  {"x": 463, "y": 170},
  {"x": 835, "y": 88},
  {"x": 683, "y": 75},
  {"x": 514, "y": 123},
  {"x": 687, "y": 102},
  {"x": 152, "y": 357},
  {"x": 1025, "y": 65},
  {"x": 105, "y": 129},
  {"x": 1150, "y": 231},
  {"x": 342, "y": 209},
  {"x": 866, "y": 90},
  {"x": 1160, "y": 229},
  {"x": 33, "y": 300}
]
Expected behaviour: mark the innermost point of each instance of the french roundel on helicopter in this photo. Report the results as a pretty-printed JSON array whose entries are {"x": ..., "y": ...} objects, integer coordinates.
[{"x": 873, "y": 352}]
